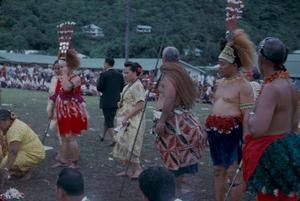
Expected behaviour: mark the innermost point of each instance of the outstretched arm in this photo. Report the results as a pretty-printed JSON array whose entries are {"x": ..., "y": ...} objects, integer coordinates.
[
  {"x": 13, "y": 149},
  {"x": 69, "y": 85}
]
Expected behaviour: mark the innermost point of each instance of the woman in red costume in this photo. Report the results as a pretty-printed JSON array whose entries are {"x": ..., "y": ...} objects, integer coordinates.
[{"x": 70, "y": 110}]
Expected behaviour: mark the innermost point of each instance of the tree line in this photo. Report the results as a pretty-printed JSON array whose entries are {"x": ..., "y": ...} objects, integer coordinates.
[{"x": 189, "y": 25}]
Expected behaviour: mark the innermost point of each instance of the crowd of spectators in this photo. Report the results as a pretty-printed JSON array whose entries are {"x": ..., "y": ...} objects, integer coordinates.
[{"x": 35, "y": 77}]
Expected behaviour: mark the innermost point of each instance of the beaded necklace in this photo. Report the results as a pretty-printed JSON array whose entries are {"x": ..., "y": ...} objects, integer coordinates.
[
  {"x": 232, "y": 79},
  {"x": 276, "y": 75}
]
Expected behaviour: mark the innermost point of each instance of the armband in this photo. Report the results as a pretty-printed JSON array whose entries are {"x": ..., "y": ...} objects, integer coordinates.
[{"x": 245, "y": 106}]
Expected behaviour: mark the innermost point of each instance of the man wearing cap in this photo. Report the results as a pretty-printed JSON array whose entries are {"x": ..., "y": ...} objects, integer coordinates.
[
  {"x": 271, "y": 164},
  {"x": 227, "y": 121}
]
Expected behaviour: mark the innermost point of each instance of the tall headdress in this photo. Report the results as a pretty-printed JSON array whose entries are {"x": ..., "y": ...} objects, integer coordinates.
[
  {"x": 234, "y": 10},
  {"x": 238, "y": 49},
  {"x": 65, "y": 31}
]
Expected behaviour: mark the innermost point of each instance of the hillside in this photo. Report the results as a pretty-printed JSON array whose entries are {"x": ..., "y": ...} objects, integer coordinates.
[{"x": 31, "y": 24}]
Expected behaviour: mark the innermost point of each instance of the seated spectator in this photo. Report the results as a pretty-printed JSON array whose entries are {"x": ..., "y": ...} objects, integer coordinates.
[
  {"x": 157, "y": 184},
  {"x": 70, "y": 185}
]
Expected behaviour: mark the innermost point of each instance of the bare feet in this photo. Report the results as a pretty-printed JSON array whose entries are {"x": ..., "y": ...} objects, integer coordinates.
[
  {"x": 123, "y": 174},
  {"x": 74, "y": 164},
  {"x": 182, "y": 191},
  {"x": 59, "y": 163},
  {"x": 136, "y": 174},
  {"x": 112, "y": 144}
]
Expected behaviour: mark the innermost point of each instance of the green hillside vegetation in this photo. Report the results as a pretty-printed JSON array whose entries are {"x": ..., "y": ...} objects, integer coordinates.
[{"x": 31, "y": 24}]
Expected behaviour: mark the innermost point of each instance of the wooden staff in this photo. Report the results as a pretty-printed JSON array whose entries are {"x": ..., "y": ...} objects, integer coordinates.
[{"x": 145, "y": 106}]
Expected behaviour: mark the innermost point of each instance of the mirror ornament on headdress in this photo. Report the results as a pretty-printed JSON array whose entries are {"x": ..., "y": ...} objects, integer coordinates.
[{"x": 65, "y": 31}]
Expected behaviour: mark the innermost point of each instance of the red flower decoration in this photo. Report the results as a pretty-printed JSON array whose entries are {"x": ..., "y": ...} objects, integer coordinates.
[
  {"x": 274, "y": 76},
  {"x": 13, "y": 115}
]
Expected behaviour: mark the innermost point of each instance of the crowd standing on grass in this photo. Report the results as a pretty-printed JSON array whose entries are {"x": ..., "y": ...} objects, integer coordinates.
[{"x": 35, "y": 77}]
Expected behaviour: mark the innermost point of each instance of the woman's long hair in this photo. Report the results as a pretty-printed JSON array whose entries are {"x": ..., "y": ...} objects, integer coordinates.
[
  {"x": 185, "y": 89},
  {"x": 72, "y": 59}
]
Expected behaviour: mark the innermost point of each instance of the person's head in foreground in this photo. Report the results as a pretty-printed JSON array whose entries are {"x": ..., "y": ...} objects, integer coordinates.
[
  {"x": 272, "y": 54},
  {"x": 157, "y": 184},
  {"x": 170, "y": 54},
  {"x": 6, "y": 119},
  {"x": 70, "y": 185}
]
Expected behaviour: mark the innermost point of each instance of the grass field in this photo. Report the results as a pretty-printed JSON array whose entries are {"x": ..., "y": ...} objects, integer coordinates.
[{"x": 96, "y": 163}]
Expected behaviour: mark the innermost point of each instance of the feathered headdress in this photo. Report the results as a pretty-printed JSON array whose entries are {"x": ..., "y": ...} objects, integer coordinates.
[
  {"x": 239, "y": 49},
  {"x": 65, "y": 31},
  {"x": 234, "y": 10}
]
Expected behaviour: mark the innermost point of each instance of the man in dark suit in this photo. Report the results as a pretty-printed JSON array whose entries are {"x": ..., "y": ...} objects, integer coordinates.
[{"x": 110, "y": 84}]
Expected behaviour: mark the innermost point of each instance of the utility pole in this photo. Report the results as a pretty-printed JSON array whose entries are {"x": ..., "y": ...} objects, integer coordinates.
[{"x": 127, "y": 16}]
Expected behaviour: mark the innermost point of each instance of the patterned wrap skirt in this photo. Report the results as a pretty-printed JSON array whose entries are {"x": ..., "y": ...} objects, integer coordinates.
[{"x": 180, "y": 146}]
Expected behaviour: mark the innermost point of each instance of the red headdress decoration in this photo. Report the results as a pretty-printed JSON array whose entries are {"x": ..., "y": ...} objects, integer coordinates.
[
  {"x": 233, "y": 13},
  {"x": 65, "y": 31}
]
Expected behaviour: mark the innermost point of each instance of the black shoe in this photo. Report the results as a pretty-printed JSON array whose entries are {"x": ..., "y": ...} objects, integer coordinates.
[{"x": 112, "y": 144}]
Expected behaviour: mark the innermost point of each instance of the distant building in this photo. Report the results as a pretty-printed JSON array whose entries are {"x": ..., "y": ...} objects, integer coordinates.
[
  {"x": 296, "y": 52},
  {"x": 143, "y": 28},
  {"x": 93, "y": 31},
  {"x": 31, "y": 51},
  {"x": 148, "y": 64},
  {"x": 293, "y": 65},
  {"x": 196, "y": 52}
]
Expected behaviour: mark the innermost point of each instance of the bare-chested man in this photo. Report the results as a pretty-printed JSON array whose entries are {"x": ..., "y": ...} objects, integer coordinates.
[
  {"x": 228, "y": 119},
  {"x": 271, "y": 153},
  {"x": 178, "y": 133}
]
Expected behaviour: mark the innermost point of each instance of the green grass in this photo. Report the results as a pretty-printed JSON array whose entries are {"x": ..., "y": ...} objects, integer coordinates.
[
  {"x": 95, "y": 162},
  {"x": 31, "y": 105}
]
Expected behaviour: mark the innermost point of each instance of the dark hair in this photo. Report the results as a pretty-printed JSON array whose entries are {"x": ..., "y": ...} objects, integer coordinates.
[
  {"x": 256, "y": 75},
  {"x": 72, "y": 60},
  {"x": 128, "y": 63},
  {"x": 134, "y": 67},
  {"x": 55, "y": 62},
  {"x": 274, "y": 50},
  {"x": 157, "y": 184},
  {"x": 110, "y": 61},
  {"x": 71, "y": 181},
  {"x": 5, "y": 115}
]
